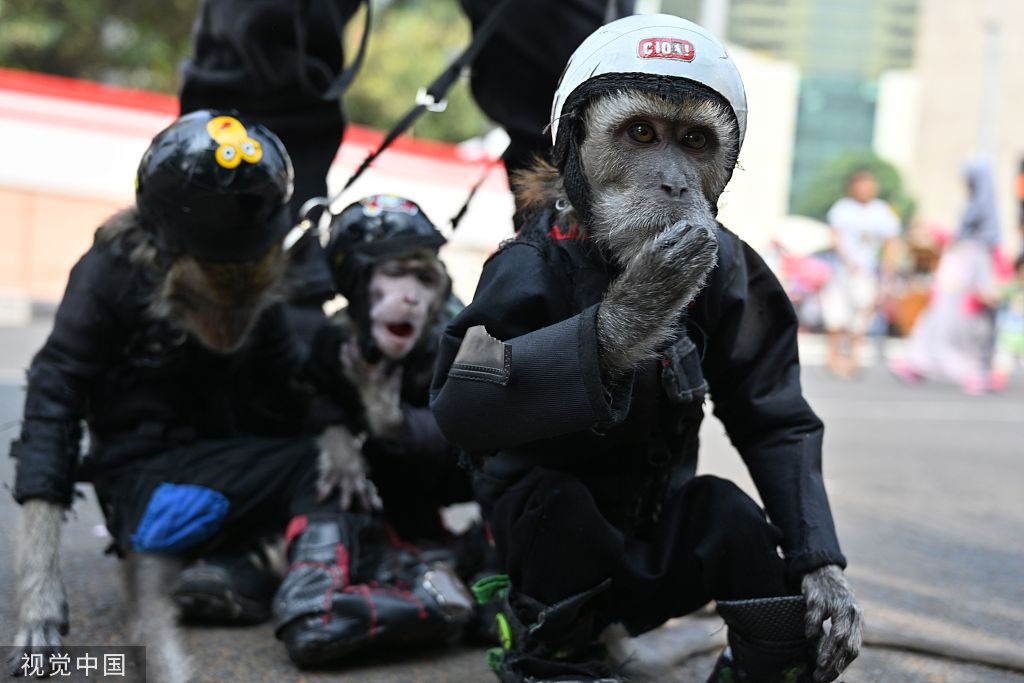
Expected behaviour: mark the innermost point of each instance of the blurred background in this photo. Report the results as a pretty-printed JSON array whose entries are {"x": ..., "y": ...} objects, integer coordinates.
[{"x": 907, "y": 88}]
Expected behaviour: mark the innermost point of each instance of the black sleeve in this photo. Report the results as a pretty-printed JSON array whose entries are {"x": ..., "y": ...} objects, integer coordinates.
[
  {"x": 516, "y": 73},
  {"x": 515, "y": 366},
  {"x": 87, "y": 334},
  {"x": 753, "y": 370}
]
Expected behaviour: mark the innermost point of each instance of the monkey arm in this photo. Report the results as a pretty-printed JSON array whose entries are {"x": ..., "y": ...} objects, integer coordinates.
[
  {"x": 516, "y": 365},
  {"x": 41, "y": 598},
  {"x": 86, "y": 333},
  {"x": 753, "y": 370},
  {"x": 422, "y": 439}
]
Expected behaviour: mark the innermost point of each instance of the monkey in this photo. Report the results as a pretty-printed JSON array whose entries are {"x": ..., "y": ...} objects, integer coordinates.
[
  {"x": 171, "y": 344},
  {"x": 373, "y": 361},
  {"x": 577, "y": 375},
  {"x": 375, "y": 357}
]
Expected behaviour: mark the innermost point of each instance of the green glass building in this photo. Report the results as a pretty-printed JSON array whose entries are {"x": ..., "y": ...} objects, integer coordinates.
[{"x": 841, "y": 48}]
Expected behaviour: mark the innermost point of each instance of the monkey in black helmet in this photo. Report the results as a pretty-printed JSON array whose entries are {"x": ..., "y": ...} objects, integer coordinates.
[
  {"x": 171, "y": 345},
  {"x": 373, "y": 361}
]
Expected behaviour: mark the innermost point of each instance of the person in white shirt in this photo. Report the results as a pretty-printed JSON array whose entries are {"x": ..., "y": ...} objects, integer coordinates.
[{"x": 862, "y": 224}]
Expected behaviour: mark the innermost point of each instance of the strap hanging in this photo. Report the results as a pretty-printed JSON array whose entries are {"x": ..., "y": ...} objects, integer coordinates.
[
  {"x": 339, "y": 84},
  {"x": 432, "y": 98},
  {"x": 457, "y": 218}
]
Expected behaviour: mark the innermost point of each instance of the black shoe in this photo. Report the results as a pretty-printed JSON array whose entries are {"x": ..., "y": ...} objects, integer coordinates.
[
  {"x": 353, "y": 587},
  {"x": 226, "y": 588},
  {"x": 545, "y": 644},
  {"x": 726, "y": 671},
  {"x": 766, "y": 642}
]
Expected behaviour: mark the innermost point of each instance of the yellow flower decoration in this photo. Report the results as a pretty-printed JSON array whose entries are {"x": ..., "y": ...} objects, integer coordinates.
[{"x": 235, "y": 144}]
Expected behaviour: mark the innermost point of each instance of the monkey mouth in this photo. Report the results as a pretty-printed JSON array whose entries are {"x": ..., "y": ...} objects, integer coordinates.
[{"x": 402, "y": 330}]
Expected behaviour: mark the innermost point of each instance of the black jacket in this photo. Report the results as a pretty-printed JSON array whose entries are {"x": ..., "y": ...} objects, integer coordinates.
[
  {"x": 141, "y": 385},
  {"x": 540, "y": 401}
]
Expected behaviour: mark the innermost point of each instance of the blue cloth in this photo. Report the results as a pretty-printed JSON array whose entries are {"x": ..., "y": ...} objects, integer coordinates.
[{"x": 178, "y": 517}]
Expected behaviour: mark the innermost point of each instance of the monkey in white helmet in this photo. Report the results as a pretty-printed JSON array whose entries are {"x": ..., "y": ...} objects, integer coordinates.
[{"x": 577, "y": 376}]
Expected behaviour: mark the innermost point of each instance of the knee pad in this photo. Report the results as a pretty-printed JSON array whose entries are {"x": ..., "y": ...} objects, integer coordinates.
[{"x": 179, "y": 517}]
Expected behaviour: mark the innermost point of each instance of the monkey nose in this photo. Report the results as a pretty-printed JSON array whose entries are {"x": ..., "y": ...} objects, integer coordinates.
[{"x": 674, "y": 190}]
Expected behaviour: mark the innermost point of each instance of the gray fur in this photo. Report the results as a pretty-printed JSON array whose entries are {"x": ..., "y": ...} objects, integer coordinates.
[
  {"x": 343, "y": 468},
  {"x": 829, "y": 596},
  {"x": 234, "y": 293},
  {"x": 153, "y": 620},
  {"x": 604, "y": 116},
  {"x": 664, "y": 240},
  {"x": 42, "y": 603},
  {"x": 641, "y": 308}
]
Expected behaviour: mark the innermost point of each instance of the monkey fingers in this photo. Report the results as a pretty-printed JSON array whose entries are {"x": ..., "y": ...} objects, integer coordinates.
[
  {"x": 841, "y": 645},
  {"x": 360, "y": 490},
  {"x": 829, "y": 597},
  {"x": 38, "y": 638}
]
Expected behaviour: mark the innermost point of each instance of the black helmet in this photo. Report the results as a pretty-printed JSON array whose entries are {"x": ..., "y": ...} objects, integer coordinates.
[
  {"x": 216, "y": 187},
  {"x": 375, "y": 229}
]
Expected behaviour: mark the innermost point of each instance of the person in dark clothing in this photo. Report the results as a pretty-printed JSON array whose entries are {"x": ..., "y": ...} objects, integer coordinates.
[
  {"x": 171, "y": 344},
  {"x": 281, "y": 64},
  {"x": 576, "y": 379}
]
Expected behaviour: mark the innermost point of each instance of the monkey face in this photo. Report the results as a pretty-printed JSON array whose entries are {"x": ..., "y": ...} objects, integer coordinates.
[
  {"x": 404, "y": 296},
  {"x": 219, "y": 303},
  {"x": 651, "y": 162}
]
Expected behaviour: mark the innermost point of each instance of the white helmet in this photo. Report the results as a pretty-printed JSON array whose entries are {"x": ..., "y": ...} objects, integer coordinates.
[{"x": 653, "y": 45}]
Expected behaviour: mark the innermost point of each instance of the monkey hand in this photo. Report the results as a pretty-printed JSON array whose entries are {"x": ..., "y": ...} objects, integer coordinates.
[
  {"x": 829, "y": 596},
  {"x": 43, "y": 605},
  {"x": 380, "y": 391},
  {"x": 642, "y": 306},
  {"x": 343, "y": 468}
]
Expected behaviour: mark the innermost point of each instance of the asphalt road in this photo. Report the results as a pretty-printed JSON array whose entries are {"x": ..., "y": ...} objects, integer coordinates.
[{"x": 927, "y": 488}]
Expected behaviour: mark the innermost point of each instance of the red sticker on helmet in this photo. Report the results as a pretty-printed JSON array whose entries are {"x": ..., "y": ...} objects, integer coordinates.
[{"x": 666, "y": 48}]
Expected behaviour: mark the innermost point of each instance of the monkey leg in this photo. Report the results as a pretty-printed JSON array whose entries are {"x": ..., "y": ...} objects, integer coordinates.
[
  {"x": 711, "y": 541},
  {"x": 42, "y": 603},
  {"x": 211, "y": 502},
  {"x": 153, "y": 619}
]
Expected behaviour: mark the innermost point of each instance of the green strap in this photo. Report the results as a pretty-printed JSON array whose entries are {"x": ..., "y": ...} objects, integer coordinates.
[
  {"x": 495, "y": 658},
  {"x": 486, "y": 588}
]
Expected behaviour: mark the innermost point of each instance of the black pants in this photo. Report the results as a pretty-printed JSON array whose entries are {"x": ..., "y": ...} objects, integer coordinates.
[
  {"x": 712, "y": 541},
  {"x": 414, "y": 492},
  {"x": 266, "y": 482}
]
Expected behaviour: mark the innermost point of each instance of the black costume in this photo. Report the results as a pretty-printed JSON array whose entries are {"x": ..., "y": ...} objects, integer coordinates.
[
  {"x": 158, "y": 404},
  {"x": 583, "y": 482},
  {"x": 417, "y": 473}
]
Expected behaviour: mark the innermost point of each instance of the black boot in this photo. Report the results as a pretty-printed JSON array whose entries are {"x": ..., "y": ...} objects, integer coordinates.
[
  {"x": 545, "y": 644},
  {"x": 766, "y": 642},
  {"x": 230, "y": 586},
  {"x": 353, "y": 585}
]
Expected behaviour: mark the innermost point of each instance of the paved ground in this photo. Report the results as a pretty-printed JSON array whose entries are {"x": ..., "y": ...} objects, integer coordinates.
[{"x": 927, "y": 487}]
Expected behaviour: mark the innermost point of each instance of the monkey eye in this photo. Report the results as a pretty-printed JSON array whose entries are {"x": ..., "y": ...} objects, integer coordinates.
[
  {"x": 695, "y": 139},
  {"x": 641, "y": 132}
]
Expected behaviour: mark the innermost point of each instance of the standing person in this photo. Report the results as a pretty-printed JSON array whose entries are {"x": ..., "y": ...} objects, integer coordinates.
[
  {"x": 954, "y": 337},
  {"x": 861, "y": 226},
  {"x": 1010, "y": 325},
  {"x": 281, "y": 63}
]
